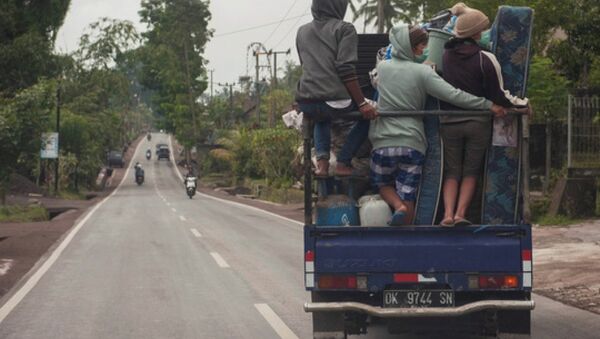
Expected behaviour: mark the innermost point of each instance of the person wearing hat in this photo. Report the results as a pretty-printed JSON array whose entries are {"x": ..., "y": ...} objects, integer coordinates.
[
  {"x": 468, "y": 67},
  {"x": 399, "y": 144}
]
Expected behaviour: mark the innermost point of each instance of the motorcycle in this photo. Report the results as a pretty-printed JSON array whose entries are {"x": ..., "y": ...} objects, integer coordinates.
[
  {"x": 149, "y": 136},
  {"x": 139, "y": 175},
  {"x": 190, "y": 186},
  {"x": 148, "y": 154}
]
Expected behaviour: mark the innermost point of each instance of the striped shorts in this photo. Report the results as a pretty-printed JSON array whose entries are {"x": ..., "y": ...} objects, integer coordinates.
[{"x": 401, "y": 166}]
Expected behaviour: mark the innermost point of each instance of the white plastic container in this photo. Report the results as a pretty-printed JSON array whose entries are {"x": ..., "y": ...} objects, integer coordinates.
[{"x": 373, "y": 211}]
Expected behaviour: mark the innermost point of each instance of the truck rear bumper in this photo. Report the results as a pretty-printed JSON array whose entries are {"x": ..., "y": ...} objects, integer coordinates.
[{"x": 512, "y": 305}]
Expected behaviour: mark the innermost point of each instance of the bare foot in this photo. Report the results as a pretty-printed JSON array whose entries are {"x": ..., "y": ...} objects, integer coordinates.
[
  {"x": 322, "y": 168},
  {"x": 343, "y": 170}
]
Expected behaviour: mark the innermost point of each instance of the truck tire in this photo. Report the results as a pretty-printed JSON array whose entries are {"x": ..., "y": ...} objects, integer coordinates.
[{"x": 327, "y": 325}]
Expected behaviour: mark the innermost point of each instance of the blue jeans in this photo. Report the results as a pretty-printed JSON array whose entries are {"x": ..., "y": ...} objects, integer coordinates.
[{"x": 322, "y": 114}]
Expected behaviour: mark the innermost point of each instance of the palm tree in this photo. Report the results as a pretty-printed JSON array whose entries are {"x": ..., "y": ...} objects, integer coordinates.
[{"x": 390, "y": 10}]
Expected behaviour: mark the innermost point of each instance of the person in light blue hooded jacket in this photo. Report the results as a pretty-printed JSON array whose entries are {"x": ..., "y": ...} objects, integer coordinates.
[{"x": 399, "y": 144}]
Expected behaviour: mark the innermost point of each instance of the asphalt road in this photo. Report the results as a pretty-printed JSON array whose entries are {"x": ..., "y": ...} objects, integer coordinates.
[{"x": 150, "y": 263}]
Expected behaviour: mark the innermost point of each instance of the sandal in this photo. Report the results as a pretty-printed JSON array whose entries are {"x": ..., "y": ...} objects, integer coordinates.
[
  {"x": 397, "y": 218},
  {"x": 447, "y": 222},
  {"x": 462, "y": 222}
]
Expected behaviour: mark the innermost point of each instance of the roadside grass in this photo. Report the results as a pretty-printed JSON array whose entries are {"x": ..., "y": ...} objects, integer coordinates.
[
  {"x": 31, "y": 213},
  {"x": 71, "y": 195},
  {"x": 557, "y": 220}
]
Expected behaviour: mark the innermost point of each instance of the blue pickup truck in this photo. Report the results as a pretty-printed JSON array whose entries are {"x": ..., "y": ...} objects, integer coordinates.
[{"x": 419, "y": 279}]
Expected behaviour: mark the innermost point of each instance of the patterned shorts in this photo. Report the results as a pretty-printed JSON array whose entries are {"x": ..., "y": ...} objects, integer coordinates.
[{"x": 401, "y": 166}]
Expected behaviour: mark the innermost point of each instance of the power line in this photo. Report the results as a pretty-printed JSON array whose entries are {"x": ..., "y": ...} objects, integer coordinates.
[
  {"x": 282, "y": 19},
  {"x": 260, "y": 26},
  {"x": 290, "y": 30}
]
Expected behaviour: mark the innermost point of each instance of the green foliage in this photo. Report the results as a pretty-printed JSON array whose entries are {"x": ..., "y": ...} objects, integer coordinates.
[
  {"x": 547, "y": 90},
  {"x": 264, "y": 153},
  {"x": 173, "y": 63},
  {"x": 107, "y": 42},
  {"x": 31, "y": 213},
  {"x": 27, "y": 33},
  {"x": 22, "y": 122}
]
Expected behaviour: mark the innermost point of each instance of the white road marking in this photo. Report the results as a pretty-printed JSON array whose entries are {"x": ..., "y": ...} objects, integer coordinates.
[
  {"x": 276, "y": 323},
  {"x": 5, "y": 265},
  {"x": 182, "y": 218},
  {"x": 220, "y": 261},
  {"x": 196, "y": 233},
  {"x": 174, "y": 210},
  {"x": 168, "y": 203},
  {"x": 35, "y": 277},
  {"x": 233, "y": 202}
]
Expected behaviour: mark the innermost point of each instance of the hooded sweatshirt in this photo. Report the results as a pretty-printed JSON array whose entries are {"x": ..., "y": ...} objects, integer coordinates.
[
  {"x": 328, "y": 49},
  {"x": 476, "y": 71},
  {"x": 404, "y": 86}
]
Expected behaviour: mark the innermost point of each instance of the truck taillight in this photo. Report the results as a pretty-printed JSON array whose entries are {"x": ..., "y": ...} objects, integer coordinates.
[
  {"x": 337, "y": 282},
  {"x": 309, "y": 256},
  {"x": 496, "y": 282}
]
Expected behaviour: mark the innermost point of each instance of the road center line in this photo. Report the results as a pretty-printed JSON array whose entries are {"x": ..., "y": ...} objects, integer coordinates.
[
  {"x": 220, "y": 261},
  {"x": 173, "y": 209},
  {"x": 182, "y": 218},
  {"x": 195, "y": 233},
  {"x": 276, "y": 323}
]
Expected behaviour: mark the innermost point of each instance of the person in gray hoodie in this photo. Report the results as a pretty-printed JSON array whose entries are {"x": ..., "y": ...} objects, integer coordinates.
[
  {"x": 327, "y": 47},
  {"x": 399, "y": 144}
]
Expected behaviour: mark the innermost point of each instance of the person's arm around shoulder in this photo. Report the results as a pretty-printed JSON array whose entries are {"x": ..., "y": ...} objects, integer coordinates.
[{"x": 439, "y": 88}]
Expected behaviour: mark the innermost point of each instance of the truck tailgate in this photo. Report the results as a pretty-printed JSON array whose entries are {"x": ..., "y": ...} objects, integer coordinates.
[{"x": 419, "y": 249}]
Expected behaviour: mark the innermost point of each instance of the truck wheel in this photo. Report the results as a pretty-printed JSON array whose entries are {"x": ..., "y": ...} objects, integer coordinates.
[{"x": 327, "y": 325}]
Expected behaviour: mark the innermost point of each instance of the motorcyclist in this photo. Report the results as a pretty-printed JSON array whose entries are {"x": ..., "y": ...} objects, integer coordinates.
[
  {"x": 139, "y": 171},
  {"x": 148, "y": 154}
]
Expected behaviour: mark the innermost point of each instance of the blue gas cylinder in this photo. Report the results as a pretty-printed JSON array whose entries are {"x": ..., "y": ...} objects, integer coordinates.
[{"x": 337, "y": 210}]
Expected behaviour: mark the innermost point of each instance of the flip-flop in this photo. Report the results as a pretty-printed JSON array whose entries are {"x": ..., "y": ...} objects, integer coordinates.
[
  {"x": 446, "y": 223},
  {"x": 397, "y": 218},
  {"x": 462, "y": 222}
]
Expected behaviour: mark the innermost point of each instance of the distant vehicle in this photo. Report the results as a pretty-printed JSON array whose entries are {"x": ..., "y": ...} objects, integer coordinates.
[
  {"x": 158, "y": 146},
  {"x": 115, "y": 159},
  {"x": 163, "y": 153},
  {"x": 139, "y": 174},
  {"x": 190, "y": 186},
  {"x": 149, "y": 136},
  {"x": 148, "y": 154}
]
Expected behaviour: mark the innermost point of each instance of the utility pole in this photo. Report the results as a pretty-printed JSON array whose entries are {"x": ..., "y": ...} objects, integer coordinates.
[
  {"x": 58, "y": 143},
  {"x": 274, "y": 53},
  {"x": 257, "y": 55},
  {"x": 211, "y": 83}
]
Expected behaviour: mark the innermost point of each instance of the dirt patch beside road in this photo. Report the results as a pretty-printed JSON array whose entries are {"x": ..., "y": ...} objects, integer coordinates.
[{"x": 566, "y": 264}]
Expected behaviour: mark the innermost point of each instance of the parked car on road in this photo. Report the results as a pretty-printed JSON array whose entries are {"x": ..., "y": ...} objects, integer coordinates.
[{"x": 115, "y": 159}]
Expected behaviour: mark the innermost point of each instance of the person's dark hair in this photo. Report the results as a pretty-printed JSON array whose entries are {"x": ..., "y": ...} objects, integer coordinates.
[{"x": 417, "y": 35}]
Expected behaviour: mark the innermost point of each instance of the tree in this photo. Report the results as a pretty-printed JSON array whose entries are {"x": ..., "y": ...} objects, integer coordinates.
[
  {"x": 173, "y": 62},
  {"x": 22, "y": 122},
  {"x": 27, "y": 33}
]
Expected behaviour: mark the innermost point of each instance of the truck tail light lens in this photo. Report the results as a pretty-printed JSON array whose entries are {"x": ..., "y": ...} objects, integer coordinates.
[
  {"x": 309, "y": 256},
  {"x": 337, "y": 282},
  {"x": 498, "y": 281}
]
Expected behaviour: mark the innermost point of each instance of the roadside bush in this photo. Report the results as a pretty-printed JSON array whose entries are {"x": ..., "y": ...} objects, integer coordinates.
[
  {"x": 265, "y": 153},
  {"x": 275, "y": 149}
]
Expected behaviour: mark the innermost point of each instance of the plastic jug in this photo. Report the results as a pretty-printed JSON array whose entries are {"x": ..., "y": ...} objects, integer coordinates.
[{"x": 373, "y": 211}]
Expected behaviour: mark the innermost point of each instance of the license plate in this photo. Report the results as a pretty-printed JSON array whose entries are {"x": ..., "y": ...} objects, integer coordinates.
[{"x": 418, "y": 298}]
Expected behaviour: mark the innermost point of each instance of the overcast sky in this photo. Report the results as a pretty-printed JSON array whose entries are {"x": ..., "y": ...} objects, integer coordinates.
[{"x": 227, "y": 53}]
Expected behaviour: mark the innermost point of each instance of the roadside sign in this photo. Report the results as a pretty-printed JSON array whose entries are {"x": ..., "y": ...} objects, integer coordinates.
[{"x": 49, "y": 148}]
